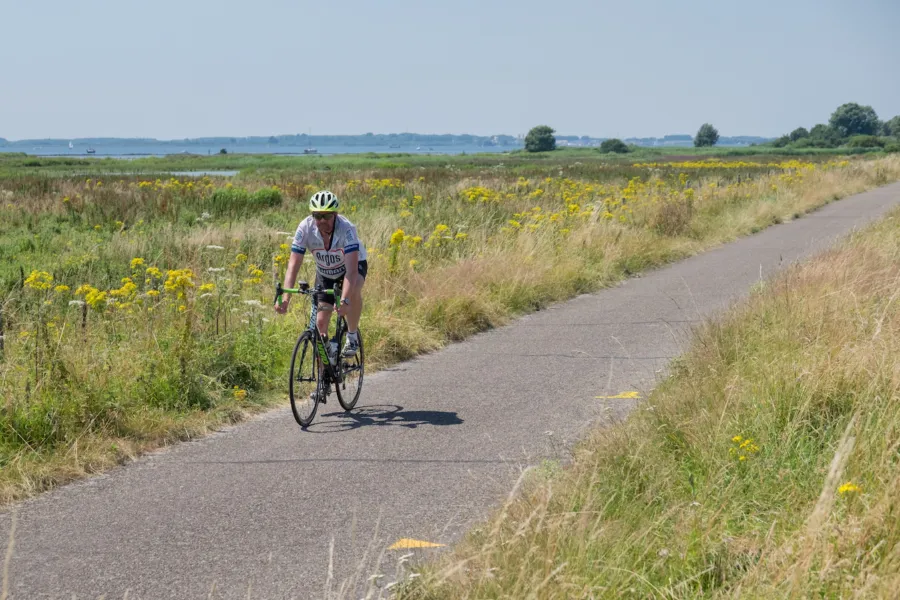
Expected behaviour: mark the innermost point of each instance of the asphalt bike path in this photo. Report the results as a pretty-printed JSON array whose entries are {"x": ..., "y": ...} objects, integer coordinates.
[{"x": 267, "y": 510}]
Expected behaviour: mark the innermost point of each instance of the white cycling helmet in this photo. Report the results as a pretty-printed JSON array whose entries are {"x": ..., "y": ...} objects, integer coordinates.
[{"x": 323, "y": 201}]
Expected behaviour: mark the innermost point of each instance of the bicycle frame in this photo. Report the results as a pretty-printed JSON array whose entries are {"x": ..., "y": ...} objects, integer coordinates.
[{"x": 320, "y": 340}]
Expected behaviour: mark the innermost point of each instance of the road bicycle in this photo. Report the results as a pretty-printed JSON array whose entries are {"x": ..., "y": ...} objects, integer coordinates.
[{"x": 317, "y": 362}]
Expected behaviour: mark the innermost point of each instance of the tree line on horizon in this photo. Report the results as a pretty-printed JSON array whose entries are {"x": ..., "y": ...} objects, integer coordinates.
[{"x": 851, "y": 125}]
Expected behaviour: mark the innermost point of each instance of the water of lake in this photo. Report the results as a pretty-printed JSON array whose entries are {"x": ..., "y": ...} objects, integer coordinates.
[{"x": 139, "y": 150}]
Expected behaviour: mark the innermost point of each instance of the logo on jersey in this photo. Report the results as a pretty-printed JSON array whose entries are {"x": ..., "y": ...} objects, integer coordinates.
[{"x": 330, "y": 263}]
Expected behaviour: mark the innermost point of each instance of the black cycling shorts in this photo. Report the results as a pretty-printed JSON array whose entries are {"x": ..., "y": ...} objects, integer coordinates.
[{"x": 329, "y": 284}]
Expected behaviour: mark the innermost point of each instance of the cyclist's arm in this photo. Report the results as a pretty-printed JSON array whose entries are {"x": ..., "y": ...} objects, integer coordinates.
[
  {"x": 293, "y": 267},
  {"x": 298, "y": 251}
]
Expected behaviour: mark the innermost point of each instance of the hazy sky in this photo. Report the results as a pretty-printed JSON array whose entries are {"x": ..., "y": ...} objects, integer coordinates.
[{"x": 190, "y": 68}]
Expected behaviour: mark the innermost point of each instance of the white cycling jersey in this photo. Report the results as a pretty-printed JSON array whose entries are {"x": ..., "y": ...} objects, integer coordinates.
[{"x": 329, "y": 261}]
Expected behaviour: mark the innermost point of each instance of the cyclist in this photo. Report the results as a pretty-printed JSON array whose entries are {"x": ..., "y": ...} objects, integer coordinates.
[{"x": 339, "y": 256}]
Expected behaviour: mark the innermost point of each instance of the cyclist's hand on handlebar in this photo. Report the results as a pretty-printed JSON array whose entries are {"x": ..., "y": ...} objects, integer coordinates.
[{"x": 282, "y": 308}]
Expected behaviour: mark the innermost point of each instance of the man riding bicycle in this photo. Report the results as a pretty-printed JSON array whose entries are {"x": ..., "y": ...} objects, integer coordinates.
[{"x": 340, "y": 257}]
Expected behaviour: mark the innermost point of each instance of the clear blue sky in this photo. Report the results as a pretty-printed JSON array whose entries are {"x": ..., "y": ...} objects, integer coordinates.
[{"x": 190, "y": 68}]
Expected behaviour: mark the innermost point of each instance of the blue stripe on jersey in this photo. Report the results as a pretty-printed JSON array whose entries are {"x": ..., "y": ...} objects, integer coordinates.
[
  {"x": 351, "y": 248},
  {"x": 298, "y": 249}
]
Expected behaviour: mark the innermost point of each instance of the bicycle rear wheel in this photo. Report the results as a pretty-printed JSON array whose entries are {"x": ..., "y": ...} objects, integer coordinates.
[
  {"x": 351, "y": 374},
  {"x": 304, "y": 379}
]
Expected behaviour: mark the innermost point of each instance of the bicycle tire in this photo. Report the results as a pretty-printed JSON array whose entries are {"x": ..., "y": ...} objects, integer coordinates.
[
  {"x": 359, "y": 360},
  {"x": 305, "y": 346}
]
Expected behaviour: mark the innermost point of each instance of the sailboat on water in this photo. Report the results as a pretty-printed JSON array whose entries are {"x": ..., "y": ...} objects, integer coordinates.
[
  {"x": 309, "y": 149},
  {"x": 71, "y": 146}
]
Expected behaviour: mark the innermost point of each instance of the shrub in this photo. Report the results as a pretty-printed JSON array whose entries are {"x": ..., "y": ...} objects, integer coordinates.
[
  {"x": 614, "y": 145},
  {"x": 238, "y": 200},
  {"x": 540, "y": 139},
  {"x": 866, "y": 141}
]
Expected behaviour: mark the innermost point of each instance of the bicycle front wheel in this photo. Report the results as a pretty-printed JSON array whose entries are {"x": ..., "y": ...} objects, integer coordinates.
[
  {"x": 304, "y": 380},
  {"x": 351, "y": 375}
]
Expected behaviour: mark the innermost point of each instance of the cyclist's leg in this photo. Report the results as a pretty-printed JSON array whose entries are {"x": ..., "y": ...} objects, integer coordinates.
[
  {"x": 356, "y": 300},
  {"x": 325, "y": 303},
  {"x": 356, "y": 305}
]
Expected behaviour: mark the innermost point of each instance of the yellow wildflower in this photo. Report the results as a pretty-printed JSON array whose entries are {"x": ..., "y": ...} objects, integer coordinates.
[
  {"x": 849, "y": 488},
  {"x": 397, "y": 237},
  {"x": 179, "y": 280},
  {"x": 95, "y": 298},
  {"x": 137, "y": 262},
  {"x": 61, "y": 289},
  {"x": 39, "y": 280}
]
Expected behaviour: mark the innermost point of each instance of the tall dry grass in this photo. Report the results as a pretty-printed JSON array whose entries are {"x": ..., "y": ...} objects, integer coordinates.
[{"x": 766, "y": 466}]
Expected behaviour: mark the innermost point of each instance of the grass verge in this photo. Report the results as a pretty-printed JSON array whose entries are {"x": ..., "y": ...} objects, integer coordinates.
[{"x": 765, "y": 466}]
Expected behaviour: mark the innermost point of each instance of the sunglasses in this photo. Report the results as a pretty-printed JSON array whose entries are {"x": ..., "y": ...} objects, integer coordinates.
[{"x": 321, "y": 216}]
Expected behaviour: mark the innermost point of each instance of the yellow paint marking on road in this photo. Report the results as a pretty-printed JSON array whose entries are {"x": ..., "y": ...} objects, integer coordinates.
[
  {"x": 408, "y": 543},
  {"x": 622, "y": 396}
]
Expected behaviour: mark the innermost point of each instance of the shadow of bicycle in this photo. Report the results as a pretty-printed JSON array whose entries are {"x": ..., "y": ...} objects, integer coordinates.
[{"x": 385, "y": 415}]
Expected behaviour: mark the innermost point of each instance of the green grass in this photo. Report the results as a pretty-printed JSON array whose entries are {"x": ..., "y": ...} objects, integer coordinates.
[
  {"x": 147, "y": 363},
  {"x": 765, "y": 466},
  {"x": 14, "y": 163}
]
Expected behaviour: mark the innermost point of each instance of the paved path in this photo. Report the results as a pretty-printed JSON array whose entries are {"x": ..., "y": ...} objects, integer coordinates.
[{"x": 265, "y": 510}]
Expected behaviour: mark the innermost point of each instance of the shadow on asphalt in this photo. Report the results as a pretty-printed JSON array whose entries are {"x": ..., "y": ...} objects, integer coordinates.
[{"x": 389, "y": 415}]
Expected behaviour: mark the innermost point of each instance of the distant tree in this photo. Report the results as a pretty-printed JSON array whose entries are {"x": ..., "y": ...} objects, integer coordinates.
[
  {"x": 613, "y": 145},
  {"x": 273, "y": 139},
  {"x": 223, "y": 151},
  {"x": 853, "y": 119},
  {"x": 798, "y": 134},
  {"x": 823, "y": 136},
  {"x": 707, "y": 135},
  {"x": 782, "y": 141},
  {"x": 892, "y": 127},
  {"x": 540, "y": 139}
]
